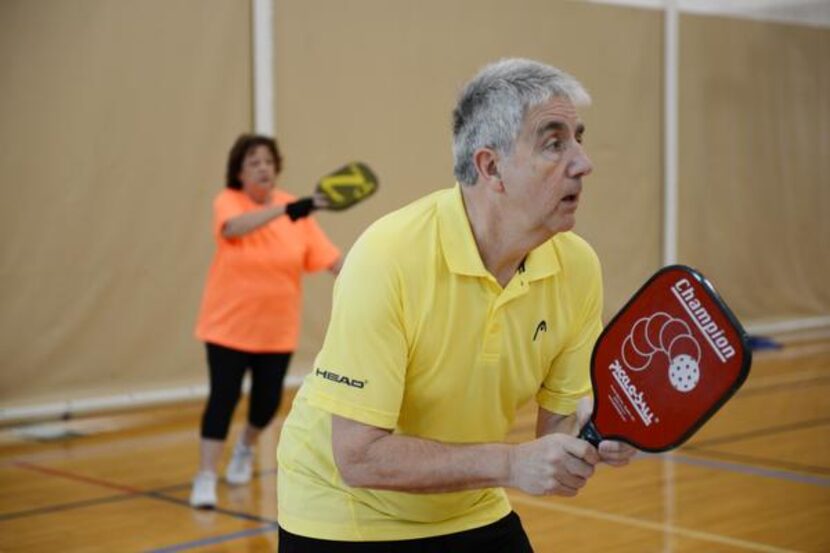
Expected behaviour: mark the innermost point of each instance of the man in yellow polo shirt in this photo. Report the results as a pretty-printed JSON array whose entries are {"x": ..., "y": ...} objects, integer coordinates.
[{"x": 448, "y": 315}]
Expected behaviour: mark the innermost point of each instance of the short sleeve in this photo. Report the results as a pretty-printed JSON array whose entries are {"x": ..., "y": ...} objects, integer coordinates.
[
  {"x": 225, "y": 207},
  {"x": 569, "y": 378},
  {"x": 321, "y": 253},
  {"x": 360, "y": 371}
]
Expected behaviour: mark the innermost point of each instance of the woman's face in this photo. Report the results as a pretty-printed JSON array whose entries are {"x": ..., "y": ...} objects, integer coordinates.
[{"x": 258, "y": 174}]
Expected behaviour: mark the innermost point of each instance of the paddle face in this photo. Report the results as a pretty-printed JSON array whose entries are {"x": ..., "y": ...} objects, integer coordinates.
[
  {"x": 347, "y": 186},
  {"x": 666, "y": 362}
]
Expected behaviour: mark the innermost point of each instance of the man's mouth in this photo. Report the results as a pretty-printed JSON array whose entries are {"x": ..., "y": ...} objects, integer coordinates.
[{"x": 574, "y": 197}]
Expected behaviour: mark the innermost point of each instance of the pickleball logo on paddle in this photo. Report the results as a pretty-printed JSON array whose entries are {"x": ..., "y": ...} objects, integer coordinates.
[
  {"x": 663, "y": 341},
  {"x": 666, "y": 361}
]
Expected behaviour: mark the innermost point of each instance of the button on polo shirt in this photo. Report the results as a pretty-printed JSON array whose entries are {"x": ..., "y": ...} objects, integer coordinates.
[{"x": 425, "y": 342}]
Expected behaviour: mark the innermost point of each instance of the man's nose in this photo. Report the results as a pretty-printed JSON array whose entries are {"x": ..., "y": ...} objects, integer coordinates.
[{"x": 580, "y": 165}]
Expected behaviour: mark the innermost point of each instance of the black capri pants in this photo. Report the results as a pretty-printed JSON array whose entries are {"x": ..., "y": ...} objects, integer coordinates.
[{"x": 227, "y": 367}]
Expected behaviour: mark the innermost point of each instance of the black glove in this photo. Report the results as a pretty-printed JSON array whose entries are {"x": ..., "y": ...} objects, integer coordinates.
[{"x": 299, "y": 209}]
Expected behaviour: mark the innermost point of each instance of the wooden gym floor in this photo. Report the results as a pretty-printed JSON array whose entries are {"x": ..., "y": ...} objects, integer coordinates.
[{"x": 756, "y": 478}]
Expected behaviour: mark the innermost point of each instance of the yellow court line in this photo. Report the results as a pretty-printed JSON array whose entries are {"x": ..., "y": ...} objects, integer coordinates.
[{"x": 657, "y": 527}]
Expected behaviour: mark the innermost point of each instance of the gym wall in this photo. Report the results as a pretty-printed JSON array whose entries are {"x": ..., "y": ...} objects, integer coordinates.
[
  {"x": 377, "y": 80},
  {"x": 117, "y": 118},
  {"x": 754, "y": 173}
]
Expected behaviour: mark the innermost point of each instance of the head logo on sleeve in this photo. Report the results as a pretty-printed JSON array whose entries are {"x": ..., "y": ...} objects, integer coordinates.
[{"x": 338, "y": 378}]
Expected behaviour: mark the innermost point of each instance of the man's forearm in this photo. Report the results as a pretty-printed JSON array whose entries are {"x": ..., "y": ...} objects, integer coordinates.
[
  {"x": 371, "y": 457},
  {"x": 416, "y": 465},
  {"x": 551, "y": 423}
]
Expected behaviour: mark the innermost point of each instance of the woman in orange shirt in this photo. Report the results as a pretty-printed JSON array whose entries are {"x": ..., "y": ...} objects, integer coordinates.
[{"x": 250, "y": 313}]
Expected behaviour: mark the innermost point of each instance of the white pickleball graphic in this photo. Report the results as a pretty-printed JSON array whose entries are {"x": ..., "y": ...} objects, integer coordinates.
[{"x": 684, "y": 373}]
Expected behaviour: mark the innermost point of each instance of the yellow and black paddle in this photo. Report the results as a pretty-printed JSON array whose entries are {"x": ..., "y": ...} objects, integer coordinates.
[{"x": 348, "y": 185}]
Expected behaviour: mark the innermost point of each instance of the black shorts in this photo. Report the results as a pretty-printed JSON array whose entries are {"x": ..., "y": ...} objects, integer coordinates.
[{"x": 503, "y": 536}]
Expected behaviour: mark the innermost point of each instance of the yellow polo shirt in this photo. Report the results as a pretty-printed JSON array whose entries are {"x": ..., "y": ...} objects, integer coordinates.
[{"x": 423, "y": 340}]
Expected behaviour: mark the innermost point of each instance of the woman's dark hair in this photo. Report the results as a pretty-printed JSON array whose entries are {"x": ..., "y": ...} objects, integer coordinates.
[{"x": 243, "y": 145}]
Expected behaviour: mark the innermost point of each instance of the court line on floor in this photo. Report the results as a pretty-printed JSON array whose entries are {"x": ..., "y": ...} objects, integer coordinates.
[
  {"x": 82, "y": 451},
  {"x": 78, "y": 477},
  {"x": 235, "y": 514},
  {"x": 760, "y": 432},
  {"x": 780, "y": 384},
  {"x": 788, "y": 471},
  {"x": 762, "y": 386},
  {"x": 47, "y": 509},
  {"x": 176, "y": 487},
  {"x": 648, "y": 525},
  {"x": 790, "y": 351},
  {"x": 216, "y": 539},
  {"x": 135, "y": 492}
]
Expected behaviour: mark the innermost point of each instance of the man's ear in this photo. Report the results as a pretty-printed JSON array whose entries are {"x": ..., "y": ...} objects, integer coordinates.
[{"x": 486, "y": 164}]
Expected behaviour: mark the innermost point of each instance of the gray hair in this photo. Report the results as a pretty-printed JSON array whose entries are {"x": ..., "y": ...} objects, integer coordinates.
[{"x": 492, "y": 107}]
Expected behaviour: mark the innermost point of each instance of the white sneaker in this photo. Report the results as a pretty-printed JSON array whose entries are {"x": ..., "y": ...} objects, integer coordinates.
[
  {"x": 240, "y": 468},
  {"x": 203, "y": 494}
]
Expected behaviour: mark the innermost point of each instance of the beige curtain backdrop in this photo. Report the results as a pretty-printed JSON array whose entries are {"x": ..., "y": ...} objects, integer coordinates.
[
  {"x": 755, "y": 164},
  {"x": 116, "y": 120},
  {"x": 117, "y": 117},
  {"x": 376, "y": 80}
]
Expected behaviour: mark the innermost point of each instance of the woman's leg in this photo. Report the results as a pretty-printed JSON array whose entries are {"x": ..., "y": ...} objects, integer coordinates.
[
  {"x": 267, "y": 375},
  {"x": 227, "y": 368}
]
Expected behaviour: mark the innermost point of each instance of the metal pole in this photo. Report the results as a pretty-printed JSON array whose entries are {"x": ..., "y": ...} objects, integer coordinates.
[{"x": 262, "y": 24}]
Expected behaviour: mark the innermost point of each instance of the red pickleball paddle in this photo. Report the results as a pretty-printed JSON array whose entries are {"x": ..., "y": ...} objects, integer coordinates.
[{"x": 665, "y": 363}]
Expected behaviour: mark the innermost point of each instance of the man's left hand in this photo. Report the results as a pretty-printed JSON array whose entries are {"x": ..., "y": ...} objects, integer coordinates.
[{"x": 615, "y": 453}]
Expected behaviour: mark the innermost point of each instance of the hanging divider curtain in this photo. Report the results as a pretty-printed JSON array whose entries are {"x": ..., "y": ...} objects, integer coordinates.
[{"x": 118, "y": 117}]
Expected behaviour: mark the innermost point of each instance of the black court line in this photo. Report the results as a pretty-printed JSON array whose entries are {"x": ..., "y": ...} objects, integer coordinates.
[
  {"x": 77, "y": 477},
  {"x": 236, "y": 514},
  {"x": 129, "y": 493},
  {"x": 214, "y": 540},
  {"x": 761, "y": 432},
  {"x": 65, "y": 506},
  {"x": 757, "y": 460},
  {"x": 160, "y": 495},
  {"x": 177, "y": 487}
]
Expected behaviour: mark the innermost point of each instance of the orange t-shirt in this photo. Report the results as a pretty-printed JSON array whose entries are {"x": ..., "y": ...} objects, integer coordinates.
[{"x": 253, "y": 293}]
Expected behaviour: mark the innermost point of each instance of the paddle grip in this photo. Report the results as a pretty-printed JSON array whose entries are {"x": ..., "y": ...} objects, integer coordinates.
[{"x": 589, "y": 434}]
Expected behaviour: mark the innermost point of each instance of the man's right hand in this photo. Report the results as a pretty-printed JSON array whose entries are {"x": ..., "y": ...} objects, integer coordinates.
[{"x": 555, "y": 464}]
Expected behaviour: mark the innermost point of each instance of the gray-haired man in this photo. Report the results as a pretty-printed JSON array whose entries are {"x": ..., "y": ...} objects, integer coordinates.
[{"x": 448, "y": 315}]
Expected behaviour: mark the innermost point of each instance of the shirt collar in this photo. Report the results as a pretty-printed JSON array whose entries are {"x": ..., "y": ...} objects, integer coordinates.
[
  {"x": 542, "y": 262},
  {"x": 460, "y": 249}
]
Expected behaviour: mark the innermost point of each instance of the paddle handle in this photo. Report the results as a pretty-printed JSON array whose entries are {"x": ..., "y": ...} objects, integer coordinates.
[{"x": 589, "y": 434}]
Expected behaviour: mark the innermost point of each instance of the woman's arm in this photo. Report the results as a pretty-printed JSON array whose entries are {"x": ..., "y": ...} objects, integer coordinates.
[{"x": 249, "y": 222}]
